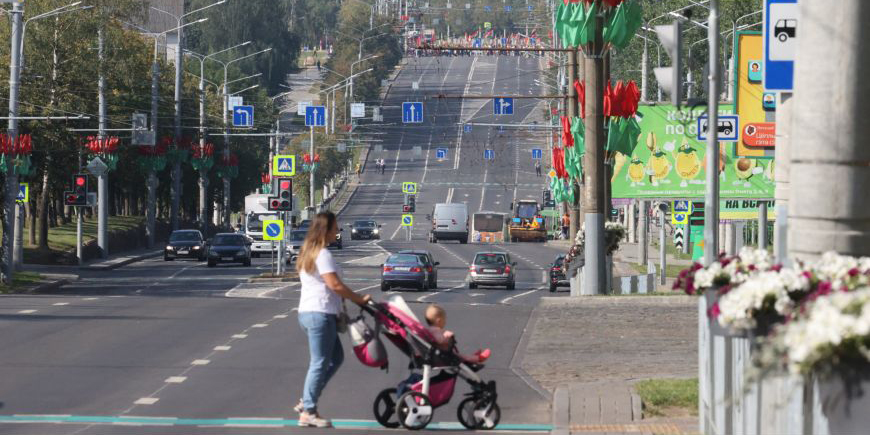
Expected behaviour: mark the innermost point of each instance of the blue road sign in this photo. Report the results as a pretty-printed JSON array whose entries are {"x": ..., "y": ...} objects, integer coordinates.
[
  {"x": 243, "y": 116},
  {"x": 781, "y": 19},
  {"x": 23, "y": 192},
  {"x": 467, "y": 128},
  {"x": 407, "y": 220},
  {"x": 315, "y": 116},
  {"x": 441, "y": 153},
  {"x": 503, "y": 41},
  {"x": 507, "y": 8},
  {"x": 537, "y": 153},
  {"x": 412, "y": 113},
  {"x": 502, "y": 106},
  {"x": 476, "y": 43},
  {"x": 487, "y": 8},
  {"x": 532, "y": 40},
  {"x": 489, "y": 154},
  {"x": 273, "y": 230},
  {"x": 531, "y": 8},
  {"x": 729, "y": 128},
  {"x": 682, "y": 206}
]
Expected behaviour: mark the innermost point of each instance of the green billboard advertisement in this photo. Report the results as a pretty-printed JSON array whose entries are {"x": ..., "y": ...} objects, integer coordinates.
[{"x": 669, "y": 161}]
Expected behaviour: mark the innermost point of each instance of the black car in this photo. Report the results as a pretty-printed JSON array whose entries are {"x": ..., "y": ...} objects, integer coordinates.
[
  {"x": 365, "y": 229},
  {"x": 337, "y": 244},
  {"x": 557, "y": 273},
  {"x": 429, "y": 263},
  {"x": 185, "y": 244},
  {"x": 229, "y": 248}
]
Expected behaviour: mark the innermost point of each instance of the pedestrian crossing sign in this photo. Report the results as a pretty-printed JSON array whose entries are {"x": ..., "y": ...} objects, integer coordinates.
[
  {"x": 284, "y": 166},
  {"x": 409, "y": 188},
  {"x": 23, "y": 193}
]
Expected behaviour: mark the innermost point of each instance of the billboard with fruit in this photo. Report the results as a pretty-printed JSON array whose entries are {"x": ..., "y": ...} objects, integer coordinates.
[{"x": 669, "y": 162}]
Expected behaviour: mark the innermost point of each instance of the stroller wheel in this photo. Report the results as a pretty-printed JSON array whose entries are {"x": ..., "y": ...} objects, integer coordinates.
[
  {"x": 478, "y": 413},
  {"x": 414, "y": 410},
  {"x": 385, "y": 408}
]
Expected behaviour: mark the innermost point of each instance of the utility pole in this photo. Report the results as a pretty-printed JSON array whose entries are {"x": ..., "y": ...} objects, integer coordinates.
[
  {"x": 151, "y": 182},
  {"x": 7, "y": 272},
  {"x": 711, "y": 199},
  {"x": 783, "y": 167},
  {"x": 175, "y": 189},
  {"x": 203, "y": 173},
  {"x": 595, "y": 278},
  {"x": 572, "y": 111},
  {"x": 103, "y": 178},
  {"x": 311, "y": 171},
  {"x": 225, "y": 213}
]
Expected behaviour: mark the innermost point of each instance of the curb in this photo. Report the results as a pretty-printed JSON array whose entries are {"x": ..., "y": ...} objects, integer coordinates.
[
  {"x": 561, "y": 411},
  {"x": 264, "y": 280},
  {"x": 122, "y": 263},
  {"x": 47, "y": 287},
  {"x": 516, "y": 364}
]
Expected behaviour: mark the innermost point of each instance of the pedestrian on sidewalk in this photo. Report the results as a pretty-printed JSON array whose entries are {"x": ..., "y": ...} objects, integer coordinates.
[
  {"x": 318, "y": 65},
  {"x": 320, "y": 305},
  {"x": 566, "y": 225},
  {"x": 538, "y": 168}
]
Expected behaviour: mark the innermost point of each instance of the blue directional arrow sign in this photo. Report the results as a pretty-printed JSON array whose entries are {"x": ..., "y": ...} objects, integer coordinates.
[
  {"x": 243, "y": 116},
  {"x": 273, "y": 230},
  {"x": 467, "y": 128},
  {"x": 531, "y": 8},
  {"x": 441, "y": 153},
  {"x": 502, "y": 106},
  {"x": 489, "y": 154},
  {"x": 407, "y": 220},
  {"x": 412, "y": 112},
  {"x": 487, "y": 8},
  {"x": 537, "y": 153},
  {"x": 315, "y": 116}
]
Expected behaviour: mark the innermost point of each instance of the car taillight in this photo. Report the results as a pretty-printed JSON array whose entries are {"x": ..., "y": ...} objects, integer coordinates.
[
  {"x": 416, "y": 269},
  {"x": 555, "y": 268},
  {"x": 429, "y": 269},
  {"x": 471, "y": 268},
  {"x": 507, "y": 269},
  {"x": 388, "y": 268}
]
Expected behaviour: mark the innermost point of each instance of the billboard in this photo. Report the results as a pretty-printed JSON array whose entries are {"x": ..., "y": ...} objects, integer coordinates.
[
  {"x": 669, "y": 162},
  {"x": 758, "y": 129}
]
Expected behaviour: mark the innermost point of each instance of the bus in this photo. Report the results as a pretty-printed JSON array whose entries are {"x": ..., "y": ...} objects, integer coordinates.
[{"x": 489, "y": 227}]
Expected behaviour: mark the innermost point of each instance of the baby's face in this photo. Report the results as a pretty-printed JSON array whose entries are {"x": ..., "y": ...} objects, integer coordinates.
[{"x": 435, "y": 319}]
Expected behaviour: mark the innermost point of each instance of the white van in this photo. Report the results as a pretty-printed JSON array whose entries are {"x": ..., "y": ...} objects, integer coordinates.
[{"x": 449, "y": 222}]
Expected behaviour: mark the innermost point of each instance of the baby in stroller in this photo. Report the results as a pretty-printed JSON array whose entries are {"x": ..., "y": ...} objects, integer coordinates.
[{"x": 435, "y": 363}]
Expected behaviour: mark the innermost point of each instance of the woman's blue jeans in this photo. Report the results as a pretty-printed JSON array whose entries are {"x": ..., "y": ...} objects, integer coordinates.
[{"x": 325, "y": 352}]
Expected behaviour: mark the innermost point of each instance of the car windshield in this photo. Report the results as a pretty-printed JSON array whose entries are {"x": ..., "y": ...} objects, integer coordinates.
[
  {"x": 489, "y": 259},
  {"x": 185, "y": 236},
  {"x": 255, "y": 226},
  {"x": 527, "y": 210},
  {"x": 490, "y": 223},
  {"x": 298, "y": 236},
  {"x": 402, "y": 258},
  {"x": 364, "y": 224},
  {"x": 228, "y": 241}
]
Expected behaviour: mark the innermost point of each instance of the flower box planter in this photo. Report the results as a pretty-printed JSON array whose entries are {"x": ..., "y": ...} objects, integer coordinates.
[
  {"x": 845, "y": 400},
  {"x": 711, "y": 295}
]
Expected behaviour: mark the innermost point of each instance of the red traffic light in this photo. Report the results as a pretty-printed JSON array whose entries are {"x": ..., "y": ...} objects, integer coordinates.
[
  {"x": 81, "y": 181},
  {"x": 276, "y": 204},
  {"x": 285, "y": 184},
  {"x": 406, "y": 208}
]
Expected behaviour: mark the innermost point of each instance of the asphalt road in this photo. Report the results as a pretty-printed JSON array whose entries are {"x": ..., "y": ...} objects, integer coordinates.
[{"x": 178, "y": 348}]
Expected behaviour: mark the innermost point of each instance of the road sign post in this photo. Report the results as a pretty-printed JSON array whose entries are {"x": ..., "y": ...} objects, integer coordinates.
[
  {"x": 412, "y": 112},
  {"x": 781, "y": 22},
  {"x": 503, "y": 106},
  {"x": 23, "y": 193},
  {"x": 408, "y": 222},
  {"x": 315, "y": 116}
]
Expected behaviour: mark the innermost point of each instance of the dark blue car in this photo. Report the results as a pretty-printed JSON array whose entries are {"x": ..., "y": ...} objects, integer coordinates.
[{"x": 404, "y": 270}]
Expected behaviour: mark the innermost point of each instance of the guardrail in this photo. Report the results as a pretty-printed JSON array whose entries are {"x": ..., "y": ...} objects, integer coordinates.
[{"x": 621, "y": 285}]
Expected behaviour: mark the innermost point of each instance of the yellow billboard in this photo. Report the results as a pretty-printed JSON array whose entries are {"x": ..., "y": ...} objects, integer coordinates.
[{"x": 756, "y": 119}]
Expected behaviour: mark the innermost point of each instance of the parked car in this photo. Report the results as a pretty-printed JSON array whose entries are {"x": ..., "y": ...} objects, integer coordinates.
[
  {"x": 558, "y": 277},
  {"x": 229, "y": 248},
  {"x": 429, "y": 262},
  {"x": 492, "y": 269},
  {"x": 185, "y": 244},
  {"x": 404, "y": 270},
  {"x": 365, "y": 229}
]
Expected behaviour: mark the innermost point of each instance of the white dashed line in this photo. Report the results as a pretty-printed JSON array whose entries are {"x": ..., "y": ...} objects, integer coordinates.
[
  {"x": 200, "y": 362},
  {"x": 60, "y": 304},
  {"x": 505, "y": 300},
  {"x": 222, "y": 347},
  {"x": 146, "y": 401},
  {"x": 26, "y": 311},
  {"x": 259, "y": 325},
  {"x": 240, "y": 336},
  {"x": 175, "y": 379},
  {"x": 279, "y": 316}
]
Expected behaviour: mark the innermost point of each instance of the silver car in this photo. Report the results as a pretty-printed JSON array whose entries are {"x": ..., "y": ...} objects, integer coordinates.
[{"x": 492, "y": 269}]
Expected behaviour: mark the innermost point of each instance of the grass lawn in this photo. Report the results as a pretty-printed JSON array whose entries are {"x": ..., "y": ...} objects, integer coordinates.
[
  {"x": 667, "y": 397},
  {"x": 323, "y": 55},
  {"x": 63, "y": 238},
  {"x": 22, "y": 279}
]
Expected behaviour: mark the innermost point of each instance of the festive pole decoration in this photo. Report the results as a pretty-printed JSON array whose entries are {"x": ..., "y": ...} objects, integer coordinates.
[
  {"x": 18, "y": 150},
  {"x": 106, "y": 148},
  {"x": 203, "y": 157},
  {"x": 154, "y": 158},
  {"x": 228, "y": 167}
]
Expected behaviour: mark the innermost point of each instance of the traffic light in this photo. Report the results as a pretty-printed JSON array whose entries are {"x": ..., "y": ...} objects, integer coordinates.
[
  {"x": 412, "y": 202},
  {"x": 547, "y": 196},
  {"x": 406, "y": 208},
  {"x": 284, "y": 199},
  {"x": 79, "y": 195},
  {"x": 670, "y": 78}
]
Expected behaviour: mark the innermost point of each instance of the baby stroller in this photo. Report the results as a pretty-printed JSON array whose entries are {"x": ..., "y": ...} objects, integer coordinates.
[{"x": 414, "y": 408}]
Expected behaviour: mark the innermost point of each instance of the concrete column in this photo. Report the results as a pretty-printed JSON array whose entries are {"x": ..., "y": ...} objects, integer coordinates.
[
  {"x": 762, "y": 225},
  {"x": 630, "y": 224},
  {"x": 781, "y": 176},
  {"x": 740, "y": 235},
  {"x": 642, "y": 243},
  {"x": 721, "y": 234},
  {"x": 730, "y": 239},
  {"x": 830, "y": 157}
]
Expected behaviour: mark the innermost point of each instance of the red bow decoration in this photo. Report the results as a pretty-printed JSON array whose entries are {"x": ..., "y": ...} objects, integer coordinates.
[
  {"x": 580, "y": 87},
  {"x": 266, "y": 178},
  {"x": 108, "y": 145},
  {"x": 621, "y": 101},
  {"x": 559, "y": 163},
  {"x": 317, "y": 158},
  {"x": 203, "y": 151},
  {"x": 306, "y": 158},
  {"x": 21, "y": 145},
  {"x": 567, "y": 137}
]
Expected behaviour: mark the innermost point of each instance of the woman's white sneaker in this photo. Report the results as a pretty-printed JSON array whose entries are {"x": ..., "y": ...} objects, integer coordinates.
[{"x": 313, "y": 420}]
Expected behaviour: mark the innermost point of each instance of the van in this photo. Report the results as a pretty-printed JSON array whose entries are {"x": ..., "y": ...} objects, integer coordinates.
[{"x": 449, "y": 222}]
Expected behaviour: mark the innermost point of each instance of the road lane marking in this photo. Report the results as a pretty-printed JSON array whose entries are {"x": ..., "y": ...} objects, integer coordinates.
[
  {"x": 145, "y": 401},
  {"x": 279, "y": 316},
  {"x": 240, "y": 336},
  {"x": 259, "y": 325},
  {"x": 60, "y": 304},
  {"x": 461, "y": 127},
  {"x": 243, "y": 422},
  {"x": 200, "y": 362},
  {"x": 26, "y": 311},
  {"x": 175, "y": 379},
  {"x": 507, "y": 299},
  {"x": 90, "y": 299},
  {"x": 222, "y": 348}
]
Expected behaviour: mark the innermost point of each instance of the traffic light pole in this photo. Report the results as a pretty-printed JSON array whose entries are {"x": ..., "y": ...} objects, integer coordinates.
[
  {"x": 102, "y": 178},
  {"x": 711, "y": 199},
  {"x": 79, "y": 235},
  {"x": 283, "y": 217},
  {"x": 8, "y": 270}
]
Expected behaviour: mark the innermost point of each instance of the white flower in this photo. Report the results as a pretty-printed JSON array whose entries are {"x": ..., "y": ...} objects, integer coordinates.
[{"x": 738, "y": 306}]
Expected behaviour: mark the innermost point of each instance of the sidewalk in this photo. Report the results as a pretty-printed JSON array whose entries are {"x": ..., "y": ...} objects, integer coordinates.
[{"x": 588, "y": 353}]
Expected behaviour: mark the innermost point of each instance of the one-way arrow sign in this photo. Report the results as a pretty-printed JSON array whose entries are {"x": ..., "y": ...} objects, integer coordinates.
[
  {"x": 412, "y": 112},
  {"x": 502, "y": 106},
  {"x": 315, "y": 116}
]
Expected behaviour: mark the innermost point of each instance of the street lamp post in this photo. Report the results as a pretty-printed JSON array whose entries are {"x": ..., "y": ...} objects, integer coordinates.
[{"x": 176, "y": 169}]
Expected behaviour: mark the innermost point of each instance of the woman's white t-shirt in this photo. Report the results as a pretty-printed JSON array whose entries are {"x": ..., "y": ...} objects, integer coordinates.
[{"x": 316, "y": 296}]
